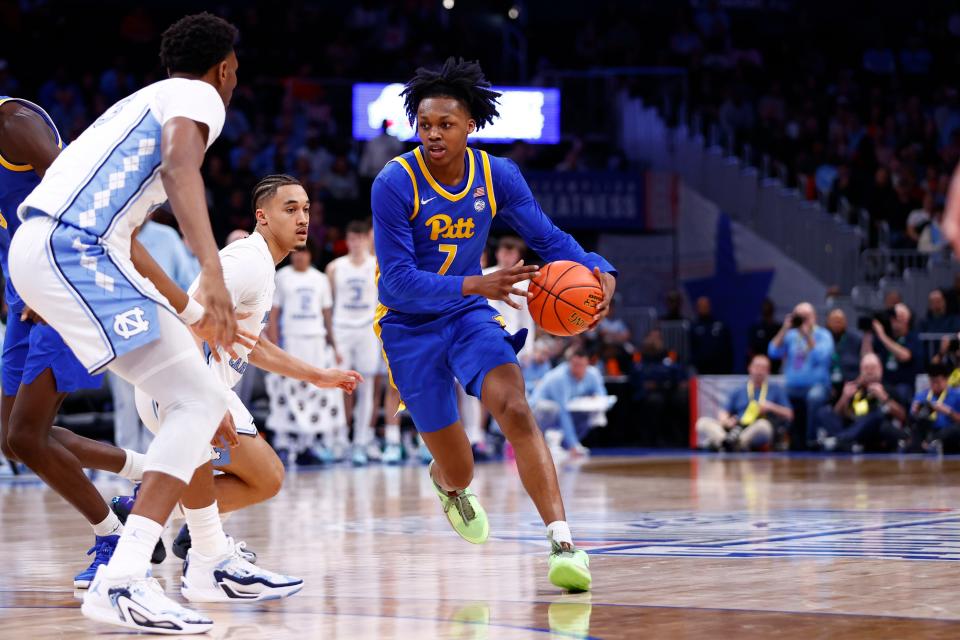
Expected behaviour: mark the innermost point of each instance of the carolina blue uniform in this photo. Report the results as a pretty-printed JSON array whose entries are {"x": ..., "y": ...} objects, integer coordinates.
[
  {"x": 28, "y": 349},
  {"x": 428, "y": 239}
]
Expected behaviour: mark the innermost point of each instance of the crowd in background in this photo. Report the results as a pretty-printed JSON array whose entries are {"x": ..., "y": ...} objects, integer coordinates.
[{"x": 864, "y": 119}]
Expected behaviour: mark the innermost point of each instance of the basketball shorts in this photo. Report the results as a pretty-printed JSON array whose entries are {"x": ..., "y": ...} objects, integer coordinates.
[
  {"x": 359, "y": 348},
  {"x": 427, "y": 355},
  {"x": 29, "y": 348},
  {"x": 88, "y": 291}
]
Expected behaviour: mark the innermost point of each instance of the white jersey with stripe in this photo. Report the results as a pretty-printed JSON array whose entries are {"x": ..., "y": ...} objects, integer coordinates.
[
  {"x": 108, "y": 180},
  {"x": 355, "y": 292},
  {"x": 248, "y": 271},
  {"x": 302, "y": 296}
]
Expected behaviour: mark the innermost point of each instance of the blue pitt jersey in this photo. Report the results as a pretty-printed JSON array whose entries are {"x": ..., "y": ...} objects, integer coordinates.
[
  {"x": 16, "y": 181},
  {"x": 429, "y": 237}
]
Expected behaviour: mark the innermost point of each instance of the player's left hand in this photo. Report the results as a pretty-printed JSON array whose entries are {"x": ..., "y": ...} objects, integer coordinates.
[
  {"x": 226, "y": 435},
  {"x": 337, "y": 379},
  {"x": 29, "y": 315},
  {"x": 609, "y": 285}
]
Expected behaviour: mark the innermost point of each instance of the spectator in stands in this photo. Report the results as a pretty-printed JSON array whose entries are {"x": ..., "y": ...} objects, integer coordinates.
[
  {"x": 891, "y": 299},
  {"x": 616, "y": 350},
  {"x": 847, "y": 345},
  {"x": 931, "y": 238},
  {"x": 806, "y": 350},
  {"x": 898, "y": 348},
  {"x": 935, "y": 414},
  {"x": 938, "y": 320},
  {"x": 919, "y": 219},
  {"x": 762, "y": 333},
  {"x": 867, "y": 414},
  {"x": 538, "y": 365},
  {"x": 746, "y": 421},
  {"x": 378, "y": 152},
  {"x": 711, "y": 346},
  {"x": 573, "y": 379},
  {"x": 674, "y": 306}
]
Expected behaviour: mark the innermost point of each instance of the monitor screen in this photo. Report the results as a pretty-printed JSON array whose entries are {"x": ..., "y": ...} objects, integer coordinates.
[{"x": 526, "y": 113}]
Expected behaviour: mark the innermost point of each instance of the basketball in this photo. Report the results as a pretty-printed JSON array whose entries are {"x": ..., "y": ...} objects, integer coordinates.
[{"x": 565, "y": 298}]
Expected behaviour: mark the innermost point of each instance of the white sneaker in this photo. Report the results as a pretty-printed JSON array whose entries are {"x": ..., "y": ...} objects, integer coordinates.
[
  {"x": 139, "y": 603},
  {"x": 230, "y": 578},
  {"x": 359, "y": 457},
  {"x": 392, "y": 454},
  {"x": 374, "y": 454},
  {"x": 578, "y": 450}
]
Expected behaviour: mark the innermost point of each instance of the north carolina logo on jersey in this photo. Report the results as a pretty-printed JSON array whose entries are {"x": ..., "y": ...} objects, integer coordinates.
[
  {"x": 130, "y": 323},
  {"x": 443, "y": 226}
]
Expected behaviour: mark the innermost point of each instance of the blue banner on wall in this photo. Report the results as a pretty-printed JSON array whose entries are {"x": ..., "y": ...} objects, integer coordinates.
[{"x": 602, "y": 200}]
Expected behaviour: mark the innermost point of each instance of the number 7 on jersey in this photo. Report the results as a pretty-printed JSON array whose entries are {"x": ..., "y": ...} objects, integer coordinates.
[{"x": 451, "y": 251}]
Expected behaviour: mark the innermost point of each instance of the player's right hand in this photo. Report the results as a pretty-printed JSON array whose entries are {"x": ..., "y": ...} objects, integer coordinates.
[
  {"x": 218, "y": 326},
  {"x": 499, "y": 284}
]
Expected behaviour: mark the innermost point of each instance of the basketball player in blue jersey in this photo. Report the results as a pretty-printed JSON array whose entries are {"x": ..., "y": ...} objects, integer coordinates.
[
  {"x": 432, "y": 210},
  {"x": 38, "y": 368},
  {"x": 71, "y": 263}
]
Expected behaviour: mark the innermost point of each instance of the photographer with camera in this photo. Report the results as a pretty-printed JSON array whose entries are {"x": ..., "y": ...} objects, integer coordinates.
[
  {"x": 935, "y": 414},
  {"x": 867, "y": 414},
  {"x": 747, "y": 421},
  {"x": 898, "y": 347},
  {"x": 807, "y": 351}
]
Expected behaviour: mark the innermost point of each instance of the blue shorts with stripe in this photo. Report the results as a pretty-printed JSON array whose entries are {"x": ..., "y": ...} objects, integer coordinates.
[
  {"x": 29, "y": 349},
  {"x": 428, "y": 354}
]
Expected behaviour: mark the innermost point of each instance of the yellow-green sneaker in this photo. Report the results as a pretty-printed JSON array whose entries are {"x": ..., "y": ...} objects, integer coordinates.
[
  {"x": 569, "y": 569},
  {"x": 464, "y": 512}
]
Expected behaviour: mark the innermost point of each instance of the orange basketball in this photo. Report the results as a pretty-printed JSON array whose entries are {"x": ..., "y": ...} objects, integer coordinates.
[{"x": 565, "y": 298}]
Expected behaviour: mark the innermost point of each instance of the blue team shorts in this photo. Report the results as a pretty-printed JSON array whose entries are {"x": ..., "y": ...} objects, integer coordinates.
[
  {"x": 427, "y": 355},
  {"x": 30, "y": 348}
]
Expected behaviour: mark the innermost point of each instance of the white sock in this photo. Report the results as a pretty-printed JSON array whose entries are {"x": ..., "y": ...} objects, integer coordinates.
[
  {"x": 110, "y": 525},
  {"x": 392, "y": 433},
  {"x": 133, "y": 466},
  {"x": 206, "y": 531},
  {"x": 177, "y": 513},
  {"x": 131, "y": 559},
  {"x": 559, "y": 532}
]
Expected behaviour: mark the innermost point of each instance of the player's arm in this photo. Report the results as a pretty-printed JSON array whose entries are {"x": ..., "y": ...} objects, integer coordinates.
[
  {"x": 328, "y": 325},
  {"x": 26, "y": 138},
  {"x": 150, "y": 269},
  {"x": 522, "y": 212},
  {"x": 330, "y": 271},
  {"x": 183, "y": 144},
  {"x": 951, "y": 213},
  {"x": 268, "y": 356}
]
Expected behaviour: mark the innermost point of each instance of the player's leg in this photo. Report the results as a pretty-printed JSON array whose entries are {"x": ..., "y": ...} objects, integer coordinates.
[
  {"x": 503, "y": 395},
  {"x": 254, "y": 474},
  {"x": 16, "y": 346},
  {"x": 191, "y": 403},
  {"x": 215, "y": 570},
  {"x": 366, "y": 354}
]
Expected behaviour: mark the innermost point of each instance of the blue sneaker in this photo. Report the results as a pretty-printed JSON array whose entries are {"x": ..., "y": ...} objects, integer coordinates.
[{"x": 103, "y": 548}]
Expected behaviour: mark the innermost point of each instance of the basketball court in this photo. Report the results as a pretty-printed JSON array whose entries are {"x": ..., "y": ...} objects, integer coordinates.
[{"x": 681, "y": 546}]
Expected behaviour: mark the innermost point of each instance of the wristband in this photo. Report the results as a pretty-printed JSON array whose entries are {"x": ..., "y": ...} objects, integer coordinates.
[{"x": 192, "y": 313}]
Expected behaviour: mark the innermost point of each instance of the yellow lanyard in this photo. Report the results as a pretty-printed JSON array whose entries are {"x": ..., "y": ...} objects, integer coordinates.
[
  {"x": 933, "y": 414},
  {"x": 752, "y": 412}
]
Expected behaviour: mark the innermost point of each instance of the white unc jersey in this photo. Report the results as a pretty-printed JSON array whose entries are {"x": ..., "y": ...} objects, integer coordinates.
[
  {"x": 355, "y": 287},
  {"x": 108, "y": 180}
]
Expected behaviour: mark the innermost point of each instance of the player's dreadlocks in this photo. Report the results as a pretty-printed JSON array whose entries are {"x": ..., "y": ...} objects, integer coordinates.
[
  {"x": 195, "y": 43},
  {"x": 457, "y": 79},
  {"x": 268, "y": 187}
]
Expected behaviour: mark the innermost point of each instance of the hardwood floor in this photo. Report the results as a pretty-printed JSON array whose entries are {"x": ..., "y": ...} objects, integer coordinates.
[{"x": 681, "y": 547}]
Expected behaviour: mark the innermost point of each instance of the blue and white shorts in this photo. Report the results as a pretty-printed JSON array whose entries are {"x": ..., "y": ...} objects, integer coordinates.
[{"x": 87, "y": 290}]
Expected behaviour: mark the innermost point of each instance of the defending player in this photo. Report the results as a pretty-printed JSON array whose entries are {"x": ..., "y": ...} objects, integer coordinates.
[
  {"x": 354, "y": 287},
  {"x": 215, "y": 570},
  {"x": 70, "y": 261},
  {"x": 432, "y": 210},
  {"x": 38, "y": 368}
]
